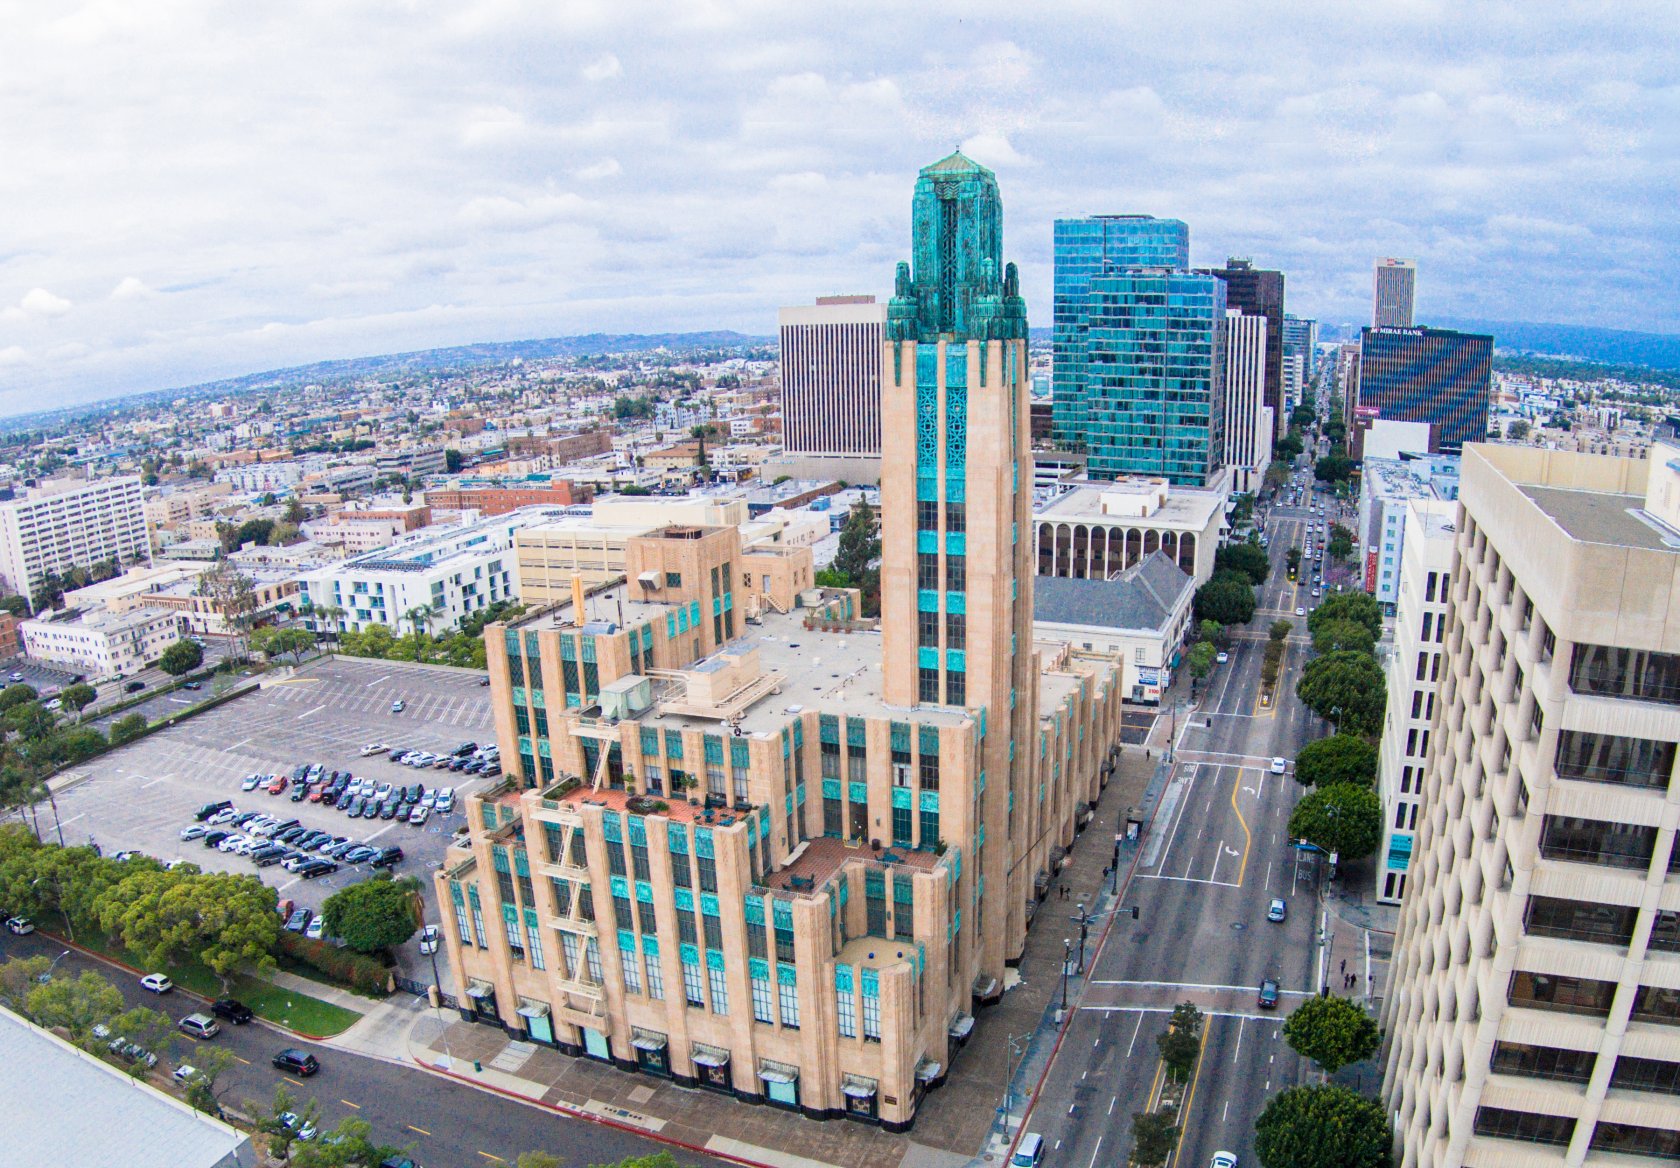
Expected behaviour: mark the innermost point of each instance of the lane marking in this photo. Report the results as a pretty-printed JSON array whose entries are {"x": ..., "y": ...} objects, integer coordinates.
[
  {"x": 1248, "y": 837},
  {"x": 421, "y": 1130},
  {"x": 1097, "y": 1149},
  {"x": 246, "y": 1061},
  {"x": 1135, "y": 1030},
  {"x": 1190, "y": 1097},
  {"x": 347, "y": 1103},
  {"x": 289, "y": 1079},
  {"x": 489, "y": 1156}
]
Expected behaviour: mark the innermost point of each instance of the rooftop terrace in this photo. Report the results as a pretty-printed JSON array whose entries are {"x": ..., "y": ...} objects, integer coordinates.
[{"x": 820, "y": 858}]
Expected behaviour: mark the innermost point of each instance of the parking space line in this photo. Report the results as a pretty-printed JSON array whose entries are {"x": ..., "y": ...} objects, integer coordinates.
[
  {"x": 371, "y": 684},
  {"x": 306, "y": 713}
]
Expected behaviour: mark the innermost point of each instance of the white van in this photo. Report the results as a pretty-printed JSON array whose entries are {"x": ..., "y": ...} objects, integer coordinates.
[{"x": 1029, "y": 1153}]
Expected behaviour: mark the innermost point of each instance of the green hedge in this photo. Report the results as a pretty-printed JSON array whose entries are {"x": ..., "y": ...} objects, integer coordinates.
[{"x": 361, "y": 973}]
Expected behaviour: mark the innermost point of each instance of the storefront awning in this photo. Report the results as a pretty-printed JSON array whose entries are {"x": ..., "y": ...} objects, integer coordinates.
[
  {"x": 709, "y": 1056},
  {"x": 647, "y": 1040},
  {"x": 480, "y": 989},
  {"x": 772, "y": 1072},
  {"x": 857, "y": 1087},
  {"x": 532, "y": 1010},
  {"x": 927, "y": 1071},
  {"x": 962, "y": 1026}
]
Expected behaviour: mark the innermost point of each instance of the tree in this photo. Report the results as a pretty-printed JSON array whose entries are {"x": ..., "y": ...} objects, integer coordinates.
[
  {"x": 16, "y": 695},
  {"x": 233, "y": 597},
  {"x": 76, "y": 1004},
  {"x": 347, "y": 1145},
  {"x": 1340, "y": 758},
  {"x": 268, "y": 1120},
  {"x": 1227, "y": 598},
  {"x": 1322, "y": 1127},
  {"x": 181, "y": 658},
  {"x": 148, "y": 1029},
  {"x": 652, "y": 1160},
  {"x": 537, "y": 1160},
  {"x": 1340, "y": 818},
  {"x": 372, "y": 915},
  {"x": 1337, "y": 635},
  {"x": 1292, "y": 559},
  {"x": 854, "y": 560},
  {"x": 1340, "y": 548},
  {"x": 1181, "y": 1043},
  {"x": 209, "y": 1063},
  {"x": 18, "y": 977},
  {"x": 1517, "y": 431},
  {"x": 1247, "y": 559},
  {"x": 1154, "y": 1136},
  {"x": 1354, "y": 606},
  {"x": 127, "y": 728},
  {"x": 1332, "y": 1032},
  {"x": 223, "y": 920},
  {"x": 78, "y": 697},
  {"x": 1332, "y": 468},
  {"x": 1280, "y": 630},
  {"x": 1346, "y": 689},
  {"x": 1201, "y": 659},
  {"x": 31, "y": 721},
  {"x": 1289, "y": 447},
  {"x": 1302, "y": 416},
  {"x": 1213, "y": 632}
]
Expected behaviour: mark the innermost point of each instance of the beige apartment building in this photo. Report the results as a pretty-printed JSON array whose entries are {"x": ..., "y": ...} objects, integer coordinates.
[
  {"x": 1533, "y": 1011},
  {"x": 785, "y": 856}
]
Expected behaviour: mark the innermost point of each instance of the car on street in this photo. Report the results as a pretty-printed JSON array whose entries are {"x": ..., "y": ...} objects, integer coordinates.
[
  {"x": 184, "y": 1074},
  {"x": 1029, "y": 1153},
  {"x": 158, "y": 983},
  {"x": 1299, "y": 611},
  {"x": 1278, "y": 910},
  {"x": 134, "y": 686},
  {"x": 429, "y": 939},
  {"x": 1223, "y": 1160},
  {"x": 1269, "y": 994},
  {"x": 20, "y": 926},
  {"x": 300, "y": 1063},
  {"x": 1280, "y": 766},
  {"x": 1221, "y": 657},
  {"x": 232, "y": 1010}
]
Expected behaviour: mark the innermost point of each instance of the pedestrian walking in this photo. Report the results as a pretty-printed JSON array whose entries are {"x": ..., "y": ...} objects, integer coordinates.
[{"x": 1344, "y": 967}]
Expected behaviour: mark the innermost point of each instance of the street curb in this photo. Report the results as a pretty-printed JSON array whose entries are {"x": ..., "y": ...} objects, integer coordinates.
[
  {"x": 575, "y": 1113},
  {"x": 112, "y": 961},
  {"x": 1061, "y": 1032}
]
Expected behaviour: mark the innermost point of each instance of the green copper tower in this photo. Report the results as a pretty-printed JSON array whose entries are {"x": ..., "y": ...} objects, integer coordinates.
[{"x": 956, "y": 486}]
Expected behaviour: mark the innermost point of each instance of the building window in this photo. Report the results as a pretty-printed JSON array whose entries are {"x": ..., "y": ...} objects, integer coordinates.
[
  {"x": 761, "y": 1001},
  {"x": 1652, "y": 1004},
  {"x": 956, "y": 573},
  {"x": 720, "y": 991},
  {"x": 1615, "y": 672},
  {"x": 956, "y": 687},
  {"x": 956, "y": 517},
  {"x": 708, "y": 873},
  {"x": 871, "y": 1017},
  {"x": 1607, "y": 758},
  {"x": 956, "y": 631},
  {"x": 1578, "y": 920},
  {"x": 632, "y": 970},
  {"x": 655, "y": 977},
  {"x": 927, "y": 628},
  {"x": 787, "y": 999},
  {"x": 1542, "y": 1062},
  {"x": 927, "y": 571},
  {"x": 927, "y": 515},
  {"x": 845, "y": 1004},
  {"x": 592, "y": 958},
  {"x": 1633, "y": 1140},
  {"x": 1597, "y": 841},
  {"x": 1500, "y": 1123},
  {"x": 533, "y": 939},
  {"x": 1571, "y": 995},
  {"x": 693, "y": 990},
  {"x": 927, "y": 686},
  {"x": 902, "y": 821},
  {"x": 1643, "y": 1074},
  {"x": 930, "y": 827}
]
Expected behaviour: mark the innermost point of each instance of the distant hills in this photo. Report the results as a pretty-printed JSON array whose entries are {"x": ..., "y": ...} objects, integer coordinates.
[{"x": 1573, "y": 342}]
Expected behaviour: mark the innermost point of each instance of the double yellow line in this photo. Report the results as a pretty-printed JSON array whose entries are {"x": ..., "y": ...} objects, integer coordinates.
[{"x": 1189, "y": 1095}]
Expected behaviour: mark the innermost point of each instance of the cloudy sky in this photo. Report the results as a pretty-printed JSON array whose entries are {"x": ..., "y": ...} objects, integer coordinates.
[{"x": 191, "y": 190}]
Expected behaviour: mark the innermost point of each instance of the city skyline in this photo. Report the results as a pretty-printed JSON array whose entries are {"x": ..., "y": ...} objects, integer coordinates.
[{"x": 299, "y": 202}]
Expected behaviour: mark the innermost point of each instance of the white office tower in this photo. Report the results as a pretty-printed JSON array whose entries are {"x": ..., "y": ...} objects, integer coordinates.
[
  {"x": 1248, "y": 420},
  {"x": 1533, "y": 1012}
]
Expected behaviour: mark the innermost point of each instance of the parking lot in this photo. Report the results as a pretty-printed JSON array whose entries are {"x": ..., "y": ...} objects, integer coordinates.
[{"x": 141, "y": 796}]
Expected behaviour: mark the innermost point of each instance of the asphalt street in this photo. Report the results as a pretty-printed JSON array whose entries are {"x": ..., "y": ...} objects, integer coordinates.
[
  {"x": 1216, "y": 854},
  {"x": 446, "y": 1124}
]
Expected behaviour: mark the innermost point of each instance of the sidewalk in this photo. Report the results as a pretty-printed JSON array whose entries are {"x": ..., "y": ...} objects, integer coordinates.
[{"x": 959, "y": 1124}]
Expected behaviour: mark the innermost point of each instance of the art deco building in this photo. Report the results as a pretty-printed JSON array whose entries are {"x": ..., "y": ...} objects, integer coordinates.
[
  {"x": 1533, "y": 1012},
  {"x": 784, "y": 856}
]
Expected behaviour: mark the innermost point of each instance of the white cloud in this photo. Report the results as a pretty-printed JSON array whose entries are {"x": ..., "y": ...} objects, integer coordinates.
[
  {"x": 602, "y": 68},
  {"x": 483, "y": 176},
  {"x": 606, "y": 168},
  {"x": 131, "y": 288},
  {"x": 40, "y": 302}
]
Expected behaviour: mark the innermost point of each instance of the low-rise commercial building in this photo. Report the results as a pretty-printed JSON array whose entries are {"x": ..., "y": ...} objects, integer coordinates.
[
  {"x": 1139, "y": 618},
  {"x": 101, "y": 643},
  {"x": 1387, "y": 489},
  {"x": 1097, "y": 529}
]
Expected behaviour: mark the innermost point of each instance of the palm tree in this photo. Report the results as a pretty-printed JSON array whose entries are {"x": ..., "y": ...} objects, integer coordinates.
[
  {"x": 420, "y": 618},
  {"x": 329, "y": 616}
]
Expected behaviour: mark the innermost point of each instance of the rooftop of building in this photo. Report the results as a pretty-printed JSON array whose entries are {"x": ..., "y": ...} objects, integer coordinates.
[
  {"x": 1188, "y": 507},
  {"x": 811, "y": 865},
  {"x": 1601, "y": 517},
  {"x": 1141, "y": 597},
  {"x": 432, "y": 546},
  {"x": 1393, "y": 478},
  {"x": 55, "y": 1086}
]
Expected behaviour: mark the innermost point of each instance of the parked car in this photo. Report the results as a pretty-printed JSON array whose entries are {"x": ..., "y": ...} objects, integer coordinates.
[
  {"x": 429, "y": 940},
  {"x": 214, "y": 838},
  {"x": 158, "y": 983},
  {"x": 250, "y": 782},
  {"x": 193, "y": 830},
  {"x": 192, "y": 685},
  {"x": 387, "y": 857},
  {"x": 279, "y": 784},
  {"x": 200, "y": 1026},
  {"x": 374, "y": 748},
  {"x": 232, "y": 1010},
  {"x": 419, "y": 814},
  {"x": 388, "y": 809},
  {"x": 210, "y": 809},
  {"x": 300, "y": 1128},
  {"x": 134, "y": 686},
  {"x": 445, "y": 801},
  {"x": 317, "y": 929},
  {"x": 398, "y": 706},
  {"x": 317, "y": 868},
  {"x": 20, "y": 926},
  {"x": 299, "y": 920}
]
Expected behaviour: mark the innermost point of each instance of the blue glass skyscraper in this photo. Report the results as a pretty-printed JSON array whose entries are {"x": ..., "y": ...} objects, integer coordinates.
[
  {"x": 1085, "y": 248},
  {"x": 1154, "y": 392}
]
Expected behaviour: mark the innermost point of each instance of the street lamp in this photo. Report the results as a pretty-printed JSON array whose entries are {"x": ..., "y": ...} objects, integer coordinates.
[
  {"x": 1067, "y": 960},
  {"x": 1085, "y": 920}
]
